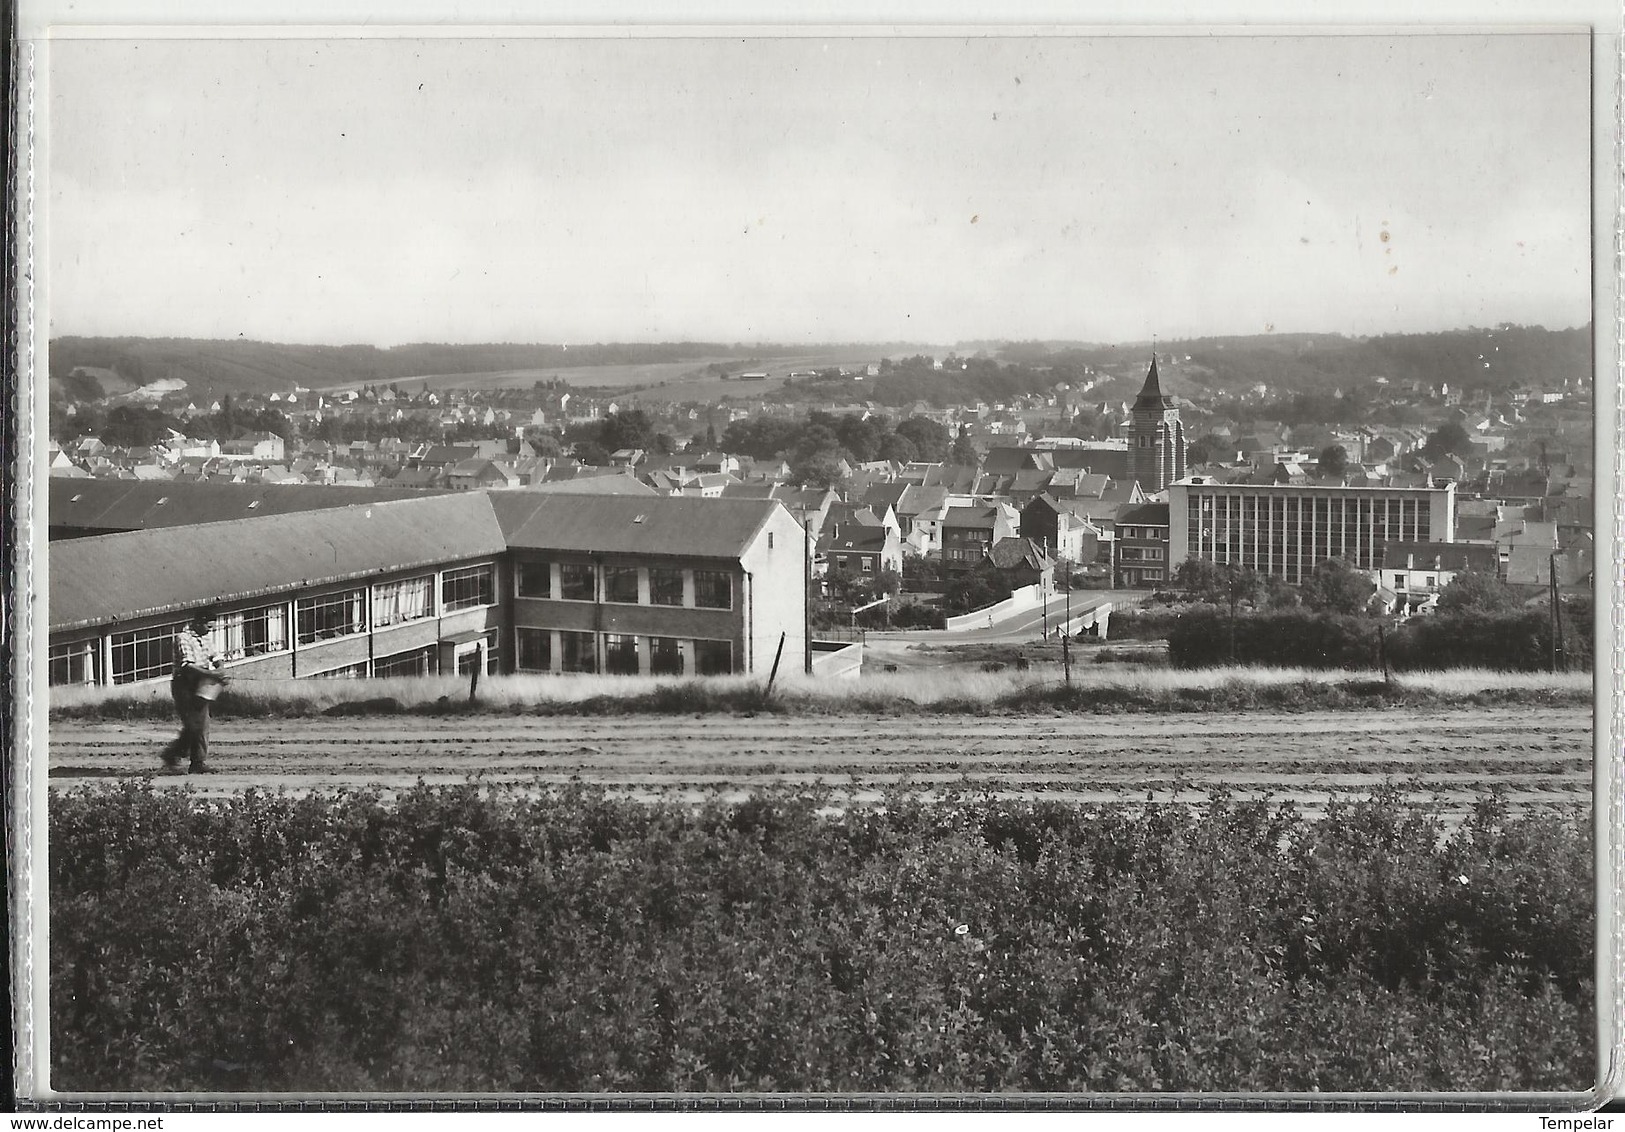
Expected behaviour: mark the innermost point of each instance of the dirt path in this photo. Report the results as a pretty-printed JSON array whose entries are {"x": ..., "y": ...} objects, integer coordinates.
[{"x": 1538, "y": 755}]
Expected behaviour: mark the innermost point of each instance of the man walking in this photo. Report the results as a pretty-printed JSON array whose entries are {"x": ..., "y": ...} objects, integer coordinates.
[{"x": 195, "y": 661}]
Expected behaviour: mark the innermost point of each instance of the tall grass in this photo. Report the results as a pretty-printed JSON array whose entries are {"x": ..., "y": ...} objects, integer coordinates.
[{"x": 1041, "y": 688}]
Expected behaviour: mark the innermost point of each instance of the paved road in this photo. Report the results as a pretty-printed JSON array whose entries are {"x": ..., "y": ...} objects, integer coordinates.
[{"x": 1025, "y": 626}]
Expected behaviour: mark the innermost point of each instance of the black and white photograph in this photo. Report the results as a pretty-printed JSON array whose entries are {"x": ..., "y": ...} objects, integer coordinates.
[{"x": 676, "y": 561}]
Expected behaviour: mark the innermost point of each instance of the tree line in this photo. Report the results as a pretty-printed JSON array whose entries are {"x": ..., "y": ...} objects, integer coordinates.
[{"x": 1327, "y": 622}]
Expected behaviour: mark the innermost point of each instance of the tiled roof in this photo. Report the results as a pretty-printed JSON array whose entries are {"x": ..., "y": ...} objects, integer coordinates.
[
  {"x": 750, "y": 491},
  {"x": 1093, "y": 484},
  {"x": 1032, "y": 481},
  {"x": 675, "y": 525},
  {"x": 1143, "y": 515},
  {"x": 130, "y": 505},
  {"x": 970, "y": 517},
  {"x": 854, "y": 538},
  {"x": 1008, "y": 553},
  {"x": 151, "y": 572},
  {"x": 918, "y": 500},
  {"x": 1438, "y": 555},
  {"x": 591, "y": 485},
  {"x": 883, "y": 494},
  {"x": 1010, "y": 459}
]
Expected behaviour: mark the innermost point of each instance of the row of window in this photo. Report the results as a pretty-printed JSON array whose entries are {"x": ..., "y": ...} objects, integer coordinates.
[
  {"x": 1425, "y": 581},
  {"x": 393, "y": 603},
  {"x": 583, "y": 581},
  {"x": 143, "y": 654},
  {"x": 419, "y": 662},
  {"x": 617, "y": 654}
]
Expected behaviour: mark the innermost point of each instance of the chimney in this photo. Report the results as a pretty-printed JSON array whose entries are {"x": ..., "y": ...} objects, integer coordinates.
[{"x": 1410, "y": 562}]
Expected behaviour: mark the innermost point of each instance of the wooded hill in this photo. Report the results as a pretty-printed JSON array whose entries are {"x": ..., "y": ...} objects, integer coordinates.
[
  {"x": 1473, "y": 360},
  {"x": 215, "y": 367}
]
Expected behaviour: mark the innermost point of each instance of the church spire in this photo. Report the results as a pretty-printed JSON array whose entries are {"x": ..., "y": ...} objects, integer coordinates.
[{"x": 1151, "y": 393}]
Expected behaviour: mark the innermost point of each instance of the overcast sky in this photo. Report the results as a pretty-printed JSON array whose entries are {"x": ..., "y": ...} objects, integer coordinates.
[{"x": 922, "y": 189}]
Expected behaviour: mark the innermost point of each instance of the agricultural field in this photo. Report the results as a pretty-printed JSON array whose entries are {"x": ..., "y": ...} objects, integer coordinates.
[
  {"x": 1537, "y": 755},
  {"x": 655, "y": 381}
]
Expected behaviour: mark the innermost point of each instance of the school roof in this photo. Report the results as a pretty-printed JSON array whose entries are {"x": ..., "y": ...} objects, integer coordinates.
[
  {"x": 682, "y": 526},
  {"x": 137, "y": 574},
  {"x": 146, "y": 573},
  {"x": 103, "y": 506}
]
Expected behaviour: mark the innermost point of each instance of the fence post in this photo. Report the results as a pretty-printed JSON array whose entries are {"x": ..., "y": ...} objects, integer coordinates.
[
  {"x": 1382, "y": 653},
  {"x": 474, "y": 676},
  {"x": 770, "y": 676}
]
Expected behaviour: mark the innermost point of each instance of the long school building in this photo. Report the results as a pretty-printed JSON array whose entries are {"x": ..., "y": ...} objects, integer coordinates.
[
  {"x": 1285, "y": 530},
  {"x": 516, "y": 582}
]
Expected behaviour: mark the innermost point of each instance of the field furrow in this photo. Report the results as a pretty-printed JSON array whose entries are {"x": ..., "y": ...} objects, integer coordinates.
[{"x": 1534, "y": 754}]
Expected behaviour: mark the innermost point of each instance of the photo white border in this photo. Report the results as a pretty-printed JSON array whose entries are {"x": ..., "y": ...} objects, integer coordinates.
[{"x": 41, "y": 21}]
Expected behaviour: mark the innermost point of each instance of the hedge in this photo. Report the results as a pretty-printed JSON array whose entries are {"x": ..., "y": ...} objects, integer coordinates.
[
  {"x": 1519, "y": 642},
  {"x": 466, "y": 940}
]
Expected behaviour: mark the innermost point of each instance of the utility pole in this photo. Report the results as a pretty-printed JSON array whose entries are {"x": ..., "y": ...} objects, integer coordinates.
[
  {"x": 1559, "y": 661},
  {"x": 1043, "y": 596},
  {"x": 806, "y": 592}
]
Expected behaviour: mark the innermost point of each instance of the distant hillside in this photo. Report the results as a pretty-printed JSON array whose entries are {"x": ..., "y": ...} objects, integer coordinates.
[
  {"x": 210, "y": 368},
  {"x": 1472, "y": 360}
]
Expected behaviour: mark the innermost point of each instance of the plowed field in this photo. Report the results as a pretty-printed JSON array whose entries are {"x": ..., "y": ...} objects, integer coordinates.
[{"x": 1537, "y": 755}]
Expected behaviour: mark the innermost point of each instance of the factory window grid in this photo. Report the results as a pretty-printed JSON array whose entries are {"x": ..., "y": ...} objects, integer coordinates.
[
  {"x": 665, "y": 586},
  {"x": 468, "y": 587},
  {"x": 620, "y": 654},
  {"x": 577, "y": 652},
  {"x": 251, "y": 632},
  {"x": 533, "y": 579},
  {"x": 75, "y": 662},
  {"x": 332, "y": 615},
  {"x": 713, "y": 589},
  {"x": 621, "y": 584},
  {"x": 577, "y": 581},
  {"x": 533, "y": 650},
  {"x": 355, "y": 671},
  {"x": 410, "y": 599},
  {"x": 143, "y": 654},
  {"x": 713, "y": 658},
  {"x": 413, "y": 662},
  {"x": 665, "y": 656}
]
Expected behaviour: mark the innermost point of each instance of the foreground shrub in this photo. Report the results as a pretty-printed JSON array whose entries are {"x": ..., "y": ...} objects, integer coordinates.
[
  {"x": 1517, "y": 641},
  {"x": 1205, "y": 637},
  {"x": 460, "y": 939}
]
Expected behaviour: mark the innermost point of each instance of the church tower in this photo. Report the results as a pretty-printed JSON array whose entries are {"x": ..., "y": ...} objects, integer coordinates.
[{"x": 1156, "y": 453}]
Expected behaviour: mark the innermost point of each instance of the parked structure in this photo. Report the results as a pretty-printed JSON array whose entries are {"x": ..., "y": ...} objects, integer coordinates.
[
  {"x": 1285, "y": 530},
  {"x": 1416, "y": 572},
  {"x": 1142, "y": 546},
  {"x": 968, "y": 533},
  {"x": 507, "y": 581}
]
